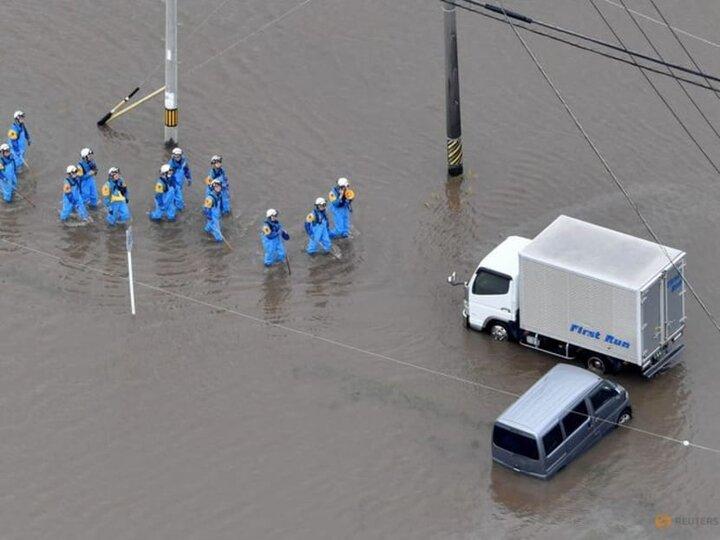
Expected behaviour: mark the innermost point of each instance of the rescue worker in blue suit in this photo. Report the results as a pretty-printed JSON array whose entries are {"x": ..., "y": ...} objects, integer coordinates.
[
  {"x": 19, "y": 138},
  {"x": 87, "y": 169},
  {"x": 72, "y": 199},
  {"x": 115, "y": 198},
  {"x": 316, "y": 227},
  {"x": 8, "y": 173},
  {"x": 218, "y": 173},
  {"x": 273, "y": 238},
  {"x": 164, "y": 195},
  {"x": 211, "y": 209},
  {"x": 341, "y": 197},
  {"x": 181, "y": 170}
]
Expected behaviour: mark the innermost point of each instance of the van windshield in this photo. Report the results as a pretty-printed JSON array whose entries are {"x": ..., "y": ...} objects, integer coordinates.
[{"x": 515, "y": 442}]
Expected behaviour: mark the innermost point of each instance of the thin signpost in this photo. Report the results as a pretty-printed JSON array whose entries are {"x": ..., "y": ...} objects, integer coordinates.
[{"x": 129, "y": 246}]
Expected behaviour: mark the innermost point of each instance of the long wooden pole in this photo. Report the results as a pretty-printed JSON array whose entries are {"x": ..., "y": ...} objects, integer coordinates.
[{"x": 137, "y": 103}]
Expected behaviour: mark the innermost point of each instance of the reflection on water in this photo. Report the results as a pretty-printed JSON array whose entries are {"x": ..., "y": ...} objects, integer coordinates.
[{"x": 275, "y": 294}]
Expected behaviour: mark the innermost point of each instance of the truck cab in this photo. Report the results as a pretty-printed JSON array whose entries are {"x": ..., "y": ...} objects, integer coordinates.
[{"x": 491, "y": 298}]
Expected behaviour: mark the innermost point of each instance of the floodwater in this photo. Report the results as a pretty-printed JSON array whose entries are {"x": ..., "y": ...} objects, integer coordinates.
[{"x": 189, "y": 421}]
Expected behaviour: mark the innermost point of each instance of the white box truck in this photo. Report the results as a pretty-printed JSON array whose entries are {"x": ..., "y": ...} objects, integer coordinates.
[{"x": 580, "y": 291}]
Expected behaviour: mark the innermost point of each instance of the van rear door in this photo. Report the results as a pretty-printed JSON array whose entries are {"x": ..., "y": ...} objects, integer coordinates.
[{"x": 516, "y": 450}]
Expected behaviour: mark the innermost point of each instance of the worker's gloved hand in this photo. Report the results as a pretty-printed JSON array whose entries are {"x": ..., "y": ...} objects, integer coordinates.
[{"x": 285, "y": 236}]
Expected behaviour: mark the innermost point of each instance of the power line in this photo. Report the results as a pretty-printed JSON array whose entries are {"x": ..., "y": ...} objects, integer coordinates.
[
  {"x": 577, "y": 45},
  {"x": 663, "y": 99},
  {"x": 525, "y": 19},
  {"x": 333, "y": 342},
  {"x": 248, "y": 36},
  {"x": 665, "y": 23},
  {"x": 612, "y": 174},
  {"x": 677, "y": 38},
  {"x": 655, "y": 49}
]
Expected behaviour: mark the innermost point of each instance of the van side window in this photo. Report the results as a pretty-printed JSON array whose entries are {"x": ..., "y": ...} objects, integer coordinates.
[
  {"x": 490, "y": 283},
  {"x": 552, "y": 439},
  {"x": 575, "y": 418},
  {"x": 515, "y": 442},
  {"x": 602, "y": 395}
]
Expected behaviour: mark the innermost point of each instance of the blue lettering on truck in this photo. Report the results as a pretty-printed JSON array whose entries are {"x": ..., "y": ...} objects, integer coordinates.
[
  {"x": 597, "y": 334},
  {"x": 675, "y": 284}
]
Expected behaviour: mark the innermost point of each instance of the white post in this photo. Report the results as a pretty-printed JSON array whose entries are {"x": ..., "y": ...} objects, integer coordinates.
[
  {"x": 171, "y": 73},
  {"x": 129, "y": 246}
]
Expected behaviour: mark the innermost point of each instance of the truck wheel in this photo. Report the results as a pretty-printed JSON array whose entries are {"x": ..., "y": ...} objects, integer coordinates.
[
  {"x": 597, "y": 364},
  {"x": 499, "y": 332},
  {"x": 625, "y": 416},
  {"x": 467, "y": 322}
]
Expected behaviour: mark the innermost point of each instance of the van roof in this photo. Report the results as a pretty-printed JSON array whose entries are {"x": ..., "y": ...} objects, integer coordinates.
[
  {"x": 541, "y": 405},
  {"x": 590, "y": 250},
  {"x": 504, "y": 258}
]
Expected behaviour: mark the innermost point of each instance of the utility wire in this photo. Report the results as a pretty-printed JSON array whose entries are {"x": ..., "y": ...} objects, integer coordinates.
[
  {"x": 195, "y": 29},
  {"x": 609, "y": 170},
  {"x": 524, "y": 18},
  {"x": 677, "y": 38},
  {"x": 576, "y": 45},
  {"x": 655, "y": 49},
  {"x": 664, "y": 23},
  {"x": 333, "y": 342},
  {"x": 662, "y": 98},
  {"x": 248, "y": 36}
]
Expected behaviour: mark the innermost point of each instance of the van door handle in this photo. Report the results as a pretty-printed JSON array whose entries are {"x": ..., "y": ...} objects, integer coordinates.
[{"x": 505, "y": 309}]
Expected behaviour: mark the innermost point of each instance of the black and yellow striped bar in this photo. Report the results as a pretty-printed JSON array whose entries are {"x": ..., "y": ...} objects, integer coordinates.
[
  {"x": 171, "y": 117},
  {"x": 455, "y": 156}
]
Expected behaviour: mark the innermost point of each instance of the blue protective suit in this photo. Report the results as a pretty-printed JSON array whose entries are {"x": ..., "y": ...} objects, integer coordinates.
[
  {"x": 273, "y": 236},
  {"x": 19, "y": 140},
  {"x": 181, "y": 172},
  {"x": 219, "y": 174},
  {"x": 87, "y": 169},
  {"x": 8, "y": 177},
  {"x": 211, "y": 209},
  {"x": 164, "y": 199},
  {"x": 340, "y": 209},
  {"x": 115, "y": 198},
  {"x": 316, "y": 227},
  {"x": 72, "y": 200}
]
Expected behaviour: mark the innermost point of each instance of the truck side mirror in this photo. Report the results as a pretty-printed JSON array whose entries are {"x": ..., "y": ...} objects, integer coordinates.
[{"x": 452, "y": 280}]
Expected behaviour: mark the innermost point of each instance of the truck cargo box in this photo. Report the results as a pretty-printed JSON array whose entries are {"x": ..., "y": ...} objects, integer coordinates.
[{"x": 602, "y": 290}]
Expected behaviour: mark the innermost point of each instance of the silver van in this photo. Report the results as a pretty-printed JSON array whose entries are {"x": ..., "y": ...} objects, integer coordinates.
[{"x": 564, "y": 413}]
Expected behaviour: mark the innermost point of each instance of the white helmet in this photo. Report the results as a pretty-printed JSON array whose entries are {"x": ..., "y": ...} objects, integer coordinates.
[
  {"x": 216, "y": 158},
  {"x": 343, "y": 182},
  {"x": 165, "y": 169},
  {"x": 271, "y": 212},
  {"x": 18, "y": 114},
  {"x": 85, "y": 152},
  {"x": 71, "y": 169},
  {"x": 113, "y": 170},
  {"x": 4, "y": 146},
  {"x": 177, "y": 151},
  {"x": 319, "y": 201}
]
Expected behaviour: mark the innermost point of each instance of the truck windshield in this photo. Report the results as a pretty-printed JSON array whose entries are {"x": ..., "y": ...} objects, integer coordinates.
[
  {"x": 487, "y": 282},
  {"x": 515, "y": 443}
]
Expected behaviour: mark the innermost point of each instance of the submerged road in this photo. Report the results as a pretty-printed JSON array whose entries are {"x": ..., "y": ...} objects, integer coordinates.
[{"x": 189, "y": 421}]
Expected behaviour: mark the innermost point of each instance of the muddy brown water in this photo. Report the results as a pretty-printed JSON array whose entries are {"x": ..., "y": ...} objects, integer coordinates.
[{"x": 191, "y": 422}]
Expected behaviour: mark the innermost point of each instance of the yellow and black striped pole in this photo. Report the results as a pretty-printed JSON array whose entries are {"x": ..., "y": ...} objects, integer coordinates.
[
  {"x": 452, "y": 94},
  {"x": 171, "y": 73}
]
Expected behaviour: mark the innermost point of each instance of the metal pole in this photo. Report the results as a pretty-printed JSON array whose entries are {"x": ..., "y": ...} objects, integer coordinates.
[
  {"x": 452, "y": 94},
  {"x": 129, "y": 246},
  {"x": 171, "y": 73}
]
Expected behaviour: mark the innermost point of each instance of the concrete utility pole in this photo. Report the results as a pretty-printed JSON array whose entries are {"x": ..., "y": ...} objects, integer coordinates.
[
  {"x": 452, "y": 94},
  {"x": 171, "y": 73}
]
